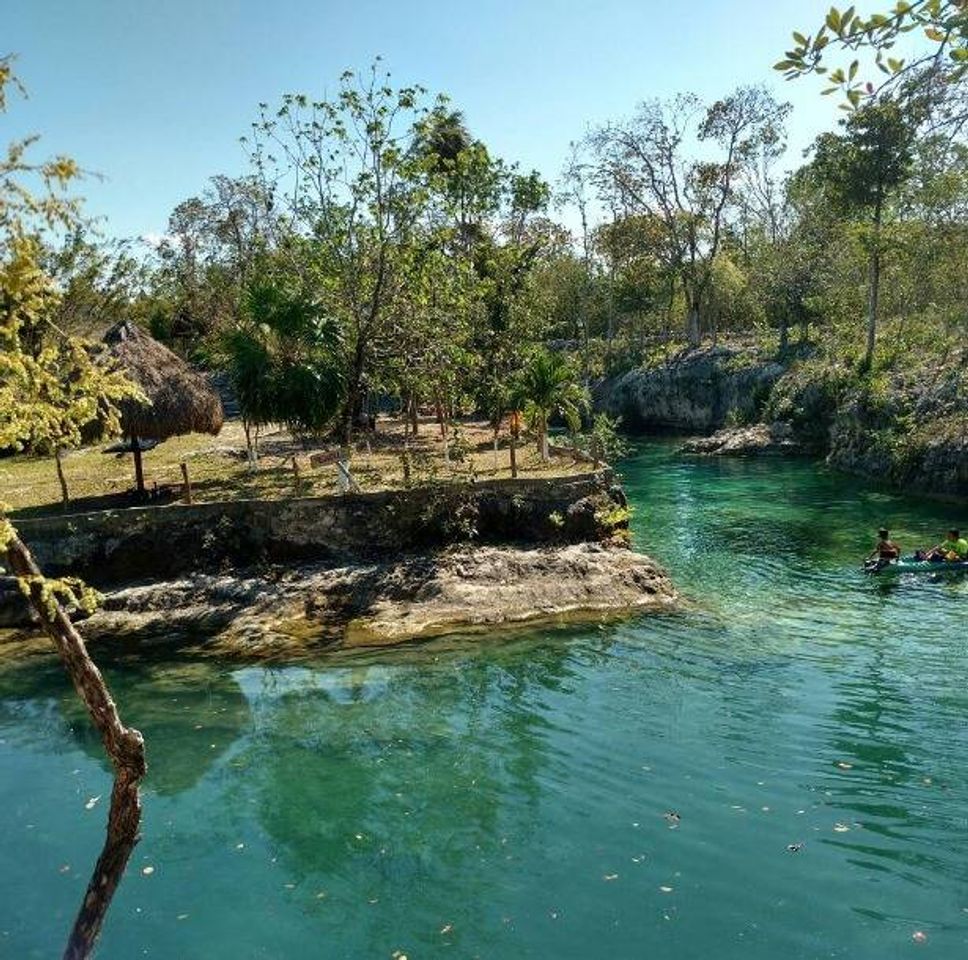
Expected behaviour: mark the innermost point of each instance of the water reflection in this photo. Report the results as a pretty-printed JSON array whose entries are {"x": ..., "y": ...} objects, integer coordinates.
[{"x": 190, "y": 716}]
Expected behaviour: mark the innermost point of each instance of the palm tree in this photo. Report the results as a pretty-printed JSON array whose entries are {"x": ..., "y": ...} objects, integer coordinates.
[{"x": 550, "y": 385}]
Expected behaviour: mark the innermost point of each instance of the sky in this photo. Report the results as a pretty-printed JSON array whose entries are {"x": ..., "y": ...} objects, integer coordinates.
[{"x": 153, "y": 95}]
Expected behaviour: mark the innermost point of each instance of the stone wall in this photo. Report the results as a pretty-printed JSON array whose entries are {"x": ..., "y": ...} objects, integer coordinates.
[{"x": 114, "y": 546}]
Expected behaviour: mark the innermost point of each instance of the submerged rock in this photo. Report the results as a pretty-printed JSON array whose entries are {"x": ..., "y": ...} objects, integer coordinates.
[
  {"x": 269, "y": 614},
  {"x": 760, "y": 439}
]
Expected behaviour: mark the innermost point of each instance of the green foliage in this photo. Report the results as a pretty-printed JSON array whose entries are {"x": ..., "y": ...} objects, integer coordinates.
[
  {"x": 874, "y": 156},
  {"x": 51, "y": 386},
  {"x": 284, "y": 358},
  {"x": 549, "y": 385},
  {"x": 933, "y": 32},
  {"x": 604, "y": 441}
]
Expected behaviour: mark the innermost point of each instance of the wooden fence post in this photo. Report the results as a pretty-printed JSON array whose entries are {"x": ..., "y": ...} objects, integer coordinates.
[{"x": 186, "y": 483}]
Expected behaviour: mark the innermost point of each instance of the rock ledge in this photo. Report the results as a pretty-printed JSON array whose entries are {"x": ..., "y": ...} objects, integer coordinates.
[{"x": 273, "y": 614}]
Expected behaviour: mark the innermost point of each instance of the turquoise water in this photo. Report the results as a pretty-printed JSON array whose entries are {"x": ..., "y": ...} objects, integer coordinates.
[{"x": 507, "y": 798}]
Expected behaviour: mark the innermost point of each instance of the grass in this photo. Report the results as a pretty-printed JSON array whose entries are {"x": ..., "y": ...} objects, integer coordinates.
[{"x": 218, "y": 468}]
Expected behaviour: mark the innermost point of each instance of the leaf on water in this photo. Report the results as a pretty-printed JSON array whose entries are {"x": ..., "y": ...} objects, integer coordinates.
[
  {"x": 446, "y": 928},
  {"x": 65, "y": 868},
  {"x": 844, "y": 765},
  {"x": 147, "y": 871},
  {"x": 610, "y": 876},
  {"x": 182, "y": 916},
  {"x": 666, "y": 889},
  {"x": 919, "y": 936},
  {"x": 91, "y": 803},
  {"x": 841, "y": 828},
  {"x": 240, "y": 846}
]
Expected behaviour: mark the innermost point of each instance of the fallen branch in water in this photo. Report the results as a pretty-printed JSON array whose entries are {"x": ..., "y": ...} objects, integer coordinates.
[{"x": 124, "y": 745}]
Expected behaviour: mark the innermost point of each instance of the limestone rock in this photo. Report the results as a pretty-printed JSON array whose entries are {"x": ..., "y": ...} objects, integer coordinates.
[
  {"x": 269, "y": 615},
  {"x": 757, "y": 440}
]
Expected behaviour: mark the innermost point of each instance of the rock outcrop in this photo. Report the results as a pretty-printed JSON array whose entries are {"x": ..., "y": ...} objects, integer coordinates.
[
  {"x": 276, "y": 614},
  {"x": 696, "y": 391},
  {"x": 761, "y": 439}
]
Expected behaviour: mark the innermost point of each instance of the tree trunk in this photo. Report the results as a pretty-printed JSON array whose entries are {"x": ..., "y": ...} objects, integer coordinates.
[
  {"x": 441, "y": 419},
  {"x": 414, "y": 414},
  {"x": 543, "y": 439},
  {"x": 124, "y": 745},
  {"x": 65, "y": 493},
  {"x": 354, "y": 393},
  {"x": 514, "y": 457},
  {"x": 692, "y": 323},
  {"x": 784, "y": 335},
  {"x": 873, "y": 294},
  {"x": 139, "y": 473},
  {"x": 251, "y": 444}
]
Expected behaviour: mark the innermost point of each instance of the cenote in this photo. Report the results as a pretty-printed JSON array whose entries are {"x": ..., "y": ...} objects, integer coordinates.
[{"x": 506, "y": 797}]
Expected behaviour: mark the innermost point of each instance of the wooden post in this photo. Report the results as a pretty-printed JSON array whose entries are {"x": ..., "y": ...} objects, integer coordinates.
[
  {"x": 139, "y": 473},
  {"x": 187, "y": 484},
  {"x": 514, "y": 428},
  {"x": 65, "y": 495}
]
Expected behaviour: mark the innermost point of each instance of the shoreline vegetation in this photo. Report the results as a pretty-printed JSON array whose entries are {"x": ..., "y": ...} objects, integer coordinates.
[{"x": 901, "y": 425}]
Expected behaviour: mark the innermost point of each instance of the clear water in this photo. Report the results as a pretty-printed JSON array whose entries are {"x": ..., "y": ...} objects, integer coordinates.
[{"x": 507, "y": 798}]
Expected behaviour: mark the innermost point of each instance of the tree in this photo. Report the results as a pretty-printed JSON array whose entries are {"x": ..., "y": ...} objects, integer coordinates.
[
  {"x": 352, "y": 185},
  {"x": 283, "y": 359},
  {"x": 25, "y": 297},
  {"x": 657, "y": 165},
  {"x": 212, "y": 245},
  {"x": 862, "y": 169},
  {"x": 549, "y": 385},
  {"x": 54, "y": 401}
]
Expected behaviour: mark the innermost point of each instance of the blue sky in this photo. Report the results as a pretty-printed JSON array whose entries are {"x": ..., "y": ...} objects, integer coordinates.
[{"x": 154, "y": 94}]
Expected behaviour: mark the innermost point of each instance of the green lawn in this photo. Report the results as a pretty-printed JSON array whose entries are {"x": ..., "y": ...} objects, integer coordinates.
[{"x": 218, "y": 469}]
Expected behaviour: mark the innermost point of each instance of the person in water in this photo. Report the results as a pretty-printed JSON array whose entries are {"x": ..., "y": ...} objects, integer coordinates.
[
  {"x": 886, "y": 549},
  {"x": 954, "y": 547}
]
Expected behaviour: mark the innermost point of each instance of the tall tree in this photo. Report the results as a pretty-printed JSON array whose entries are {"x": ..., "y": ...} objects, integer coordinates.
[
  {"x": 659, "y": 165},
  {"x": 350, "y": 181},
  {"x": 862, "y": 169}
]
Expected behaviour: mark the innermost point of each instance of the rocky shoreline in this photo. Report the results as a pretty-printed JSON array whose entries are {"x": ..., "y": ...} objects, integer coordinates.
[
  {"x": 904, "y": 427},
  {"x": 284, "y": 613}
]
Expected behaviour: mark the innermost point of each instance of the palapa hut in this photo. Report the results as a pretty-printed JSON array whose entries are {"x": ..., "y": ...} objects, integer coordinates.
[{"x": 181, "y": 399}]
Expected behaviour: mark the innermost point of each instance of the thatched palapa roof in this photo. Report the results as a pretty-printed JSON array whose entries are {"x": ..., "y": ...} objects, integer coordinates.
[{"x": 181, "y": 399}]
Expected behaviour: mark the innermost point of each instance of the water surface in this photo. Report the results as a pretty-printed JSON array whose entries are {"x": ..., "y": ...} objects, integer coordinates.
[{"x": 506, "y": 799}]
